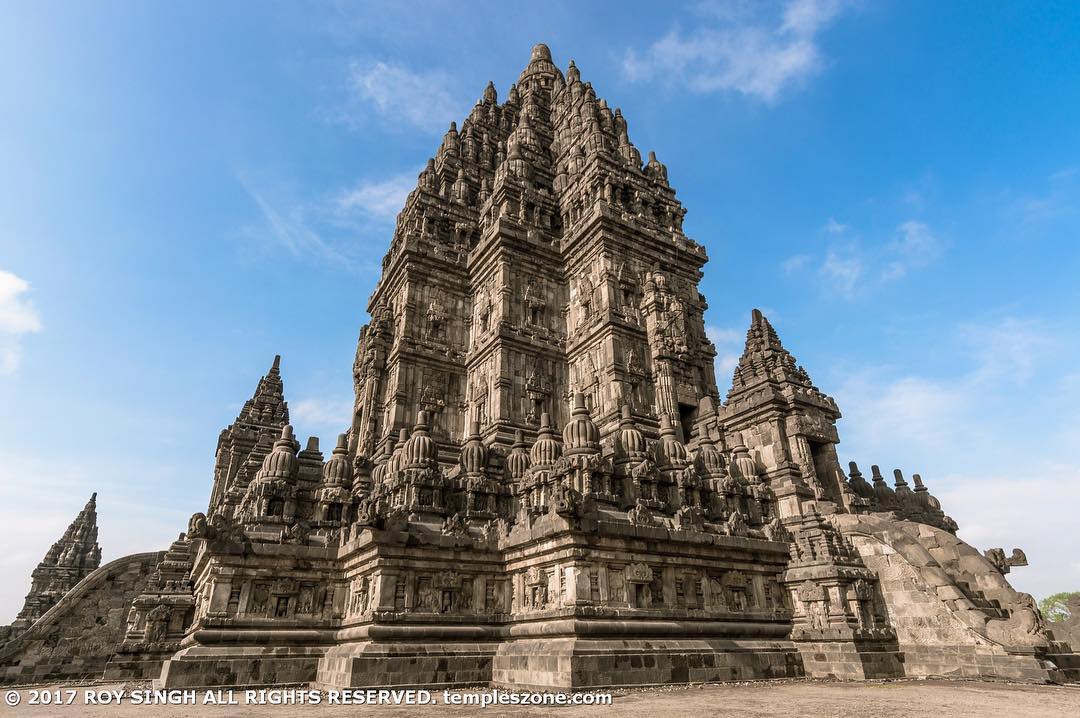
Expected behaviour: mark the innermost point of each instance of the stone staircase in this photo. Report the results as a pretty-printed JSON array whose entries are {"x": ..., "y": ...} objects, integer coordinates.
[
  {"x": 990, "y": 607},
  {"x": 1066, "y": 659}
]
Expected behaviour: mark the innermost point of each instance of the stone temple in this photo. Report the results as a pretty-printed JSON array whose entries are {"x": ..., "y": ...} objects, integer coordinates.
[{"x": 542, "y": 485}]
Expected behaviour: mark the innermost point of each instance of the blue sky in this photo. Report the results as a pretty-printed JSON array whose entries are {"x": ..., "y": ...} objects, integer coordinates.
[{"x": 187, "y": 189}]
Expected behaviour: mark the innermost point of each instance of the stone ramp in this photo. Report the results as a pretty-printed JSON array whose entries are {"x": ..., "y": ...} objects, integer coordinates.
[
  {"x": 75, "y": 639},
  {"x": 946, "y": 625}
]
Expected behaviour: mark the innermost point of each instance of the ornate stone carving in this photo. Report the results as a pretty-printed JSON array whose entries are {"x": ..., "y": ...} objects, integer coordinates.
[
  {"x": 639, "y": 573},
  {"x": 1003, "y": 563}
]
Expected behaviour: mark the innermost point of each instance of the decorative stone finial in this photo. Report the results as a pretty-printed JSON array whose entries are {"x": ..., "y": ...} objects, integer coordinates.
[
  {"x": 280, "y": 463},
  {"x": 708, "y": 458},
  {"x": 419, "y": 450},
  {"x": 743, "y": 463},
  {"x": 518, "y": 462},
  {"x": 670, "y": 452},
  {"x": 337, "y": 471},
  {"x": 474, "y": 454},
  {"x": 546, "y": 451},
  {"x": 630, "y": 443},
  {"x": 573, "y": 74},
  {"x": 581, "y": 435}
]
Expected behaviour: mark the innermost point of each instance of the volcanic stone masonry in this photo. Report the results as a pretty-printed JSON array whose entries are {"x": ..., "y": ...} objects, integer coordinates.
[{"x": 541, "y": 486}]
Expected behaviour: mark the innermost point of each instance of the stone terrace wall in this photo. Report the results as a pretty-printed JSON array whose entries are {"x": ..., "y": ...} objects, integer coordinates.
[{"x": 75, "y": 638}]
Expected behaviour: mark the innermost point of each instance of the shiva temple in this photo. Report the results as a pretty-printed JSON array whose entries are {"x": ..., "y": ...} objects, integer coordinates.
[{"x": 543, "y": 486}]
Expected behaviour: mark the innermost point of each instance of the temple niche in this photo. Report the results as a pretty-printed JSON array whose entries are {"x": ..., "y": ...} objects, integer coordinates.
[{"x": 542, "y": 485}]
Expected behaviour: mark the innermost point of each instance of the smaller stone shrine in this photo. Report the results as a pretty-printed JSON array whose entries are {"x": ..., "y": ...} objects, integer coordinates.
[{"x": 69, "y": 561}]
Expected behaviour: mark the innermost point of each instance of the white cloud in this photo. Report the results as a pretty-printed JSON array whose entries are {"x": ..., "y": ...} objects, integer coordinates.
[
  {"x": 1032, "y": 508},
  {"x": 399, "y": 95},
  {"x": 914, "y": 247},
  {"x": 322, "y": 417},
  {"x": 796, "y": 263},
  {"x": 377, "y": 199},
  {"x": 905, "y": 411},
  {"x": 332, "y": 229},
  {"x": 755, "y": 56},
  {"x": 843, "y": 267},
  {"x": 1008, "y": 351},
  {"x": 39, "y": 498},
  {"x": 978, "y": 436},
  {"x": 17, "y": 317},
  {"x": 1057, "y": 201},
  {"x": 850, "y": 264},
  {"x": 834, "y": 227},
  {"x": 805, "y": 18},
  {"x": 993, "y": 362},
  {"x": 729, "y": 345},
  {"x": 289, "y": 229}
]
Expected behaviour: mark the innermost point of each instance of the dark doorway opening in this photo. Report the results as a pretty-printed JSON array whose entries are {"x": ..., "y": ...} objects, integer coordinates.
[
  {"x": 688, "y": 414},
  {"x": 824, "y": 467}
]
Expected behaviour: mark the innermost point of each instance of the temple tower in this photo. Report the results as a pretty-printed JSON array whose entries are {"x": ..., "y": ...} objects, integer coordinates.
[
  {"x": 243, "y": 445},
  {"x": 537, "y": 258},
  {"x": 776, "y": 412},
  {"x": 69, "y": 560}
]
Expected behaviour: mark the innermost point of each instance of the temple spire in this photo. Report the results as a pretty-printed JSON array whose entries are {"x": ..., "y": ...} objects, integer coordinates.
[
  {"x": 267, "y": 406},
  {"x": 765, "y": 360},
  {"x": 244, "y": 444},
  {"x": 68, "y": 561}
]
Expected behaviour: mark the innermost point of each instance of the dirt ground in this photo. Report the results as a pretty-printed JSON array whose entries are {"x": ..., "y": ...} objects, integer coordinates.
[{"x": 794, "y": 699}]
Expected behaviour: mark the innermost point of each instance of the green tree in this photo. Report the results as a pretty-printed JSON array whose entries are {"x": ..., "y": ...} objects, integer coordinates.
[{"x": 1056, "y": 607}]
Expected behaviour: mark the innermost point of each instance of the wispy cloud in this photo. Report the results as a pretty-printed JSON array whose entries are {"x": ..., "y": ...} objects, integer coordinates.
[
  {"x": 994, "y": 363},
  {"x": 17, "y": 318},
  {"x": 843, "y": 268},
  {"x": 834, "y": 227},
  {"x": 1058, "y": 200},
  {"x": 289, "y": 229},
  {"x": 729, "y": 346},
  {"x": 914, "y": 247},
  {"x": 796, "y": 263},
  {"x": 346, "y": 228},
  {"x": 376, "y": 199},
  {"x": 740, "y": 51},
  {"x": 883, "y": 413},
  {"x": 1007, "y": 352},
  {"x": 398, "y": 95},
  {"x": 977, "y": 433},
  {"x": 325, "y": 417},
  {"x": 849, "y": 265}
]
